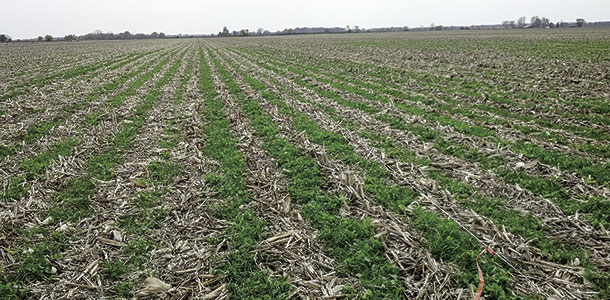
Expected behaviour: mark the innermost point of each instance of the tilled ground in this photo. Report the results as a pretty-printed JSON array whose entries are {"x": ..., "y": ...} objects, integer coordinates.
[{"x": 341, "y": 166}]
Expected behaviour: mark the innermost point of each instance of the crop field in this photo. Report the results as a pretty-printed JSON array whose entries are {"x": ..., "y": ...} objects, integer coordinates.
[{"x": 348, "y": 166}]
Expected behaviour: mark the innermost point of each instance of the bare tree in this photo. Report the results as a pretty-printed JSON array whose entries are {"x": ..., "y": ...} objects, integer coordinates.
[
  {"x": 521, "y": 22},
  {"x": 508, "y": 24},
  {"x": 225, "y": 32},
  {"x": 536, "y": 22}
]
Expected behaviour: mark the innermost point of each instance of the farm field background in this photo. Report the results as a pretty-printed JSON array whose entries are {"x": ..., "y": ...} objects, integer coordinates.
[{"x": 356, "y": 166}]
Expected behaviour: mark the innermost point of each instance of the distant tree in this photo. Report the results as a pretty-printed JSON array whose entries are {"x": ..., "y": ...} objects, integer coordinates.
[
  {"x": 521, "y": 22},
  {"x": 244, "y": 32},
  {"x": 154, "y": 35},
  {"x": 161, "y": 35},
  {"x": 260, "y": 31},
  {"x": 40, "y": 38},
  {"x": 266, "y": 32},
  {"x": 508, "y": 24},
  {"x": 432, "y": 25},
  {"x": 536, "y": 22},
  {"x": 48, "y": 37},
  {"x": 3, "y": 38},
  {"x": 552, "y": 25},
  {"x": 356, "y": 28},
  {"x": 439, "y": 27},
  {"x": 349, "y": 30},
  {"x": 545, "y": 23},
  {"x": 580, "y": 22},
  {"x": 225, "y": 32},
  {"x": 70, "y": 38}
]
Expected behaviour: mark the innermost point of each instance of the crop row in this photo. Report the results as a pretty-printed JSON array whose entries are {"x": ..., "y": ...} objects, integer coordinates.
[
  {"x": 36, "y": 131},
  {"x": 492, "y": 208},
  {"x": 452, "y": 102},
  {"x": 547, "y": 187},
  {"x": 394, "y": 198},
  {"x": 73, "y": 200}
]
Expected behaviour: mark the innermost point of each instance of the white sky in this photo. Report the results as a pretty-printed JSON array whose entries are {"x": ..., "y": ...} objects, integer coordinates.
[{"x": 30, "y": 18}]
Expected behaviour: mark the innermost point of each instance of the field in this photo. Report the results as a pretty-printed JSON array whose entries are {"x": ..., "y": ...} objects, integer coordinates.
[{"x": 354, "y": 166}]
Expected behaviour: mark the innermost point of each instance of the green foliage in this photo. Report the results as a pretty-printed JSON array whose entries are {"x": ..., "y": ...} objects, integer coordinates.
[
  {"x": 357, "y": 252},
  {"x": 115, "y": 270},
  {"x": 17, "y": 187},
  {"x": 123, "y": 290},
  {"x": 586, "y": 168},
  {"x": 164, "y": 172},
  {"x": 43, "y": 160},
  {"x": 21, "y": 87},
  {"x": 43, "y": 245},
  {"x": 73, "y": 202},
  {"x": 144, "y": 220},
  {"x": 93, "y": 118},
  {"x": 10, "y": 290},
  {"x": 6, "y": 151},
  {"x": 138, "y": 251},
  {"x": 171, "y": 139},
  {"x": 148, "y": 199},
  {"x": 601, "y": 281},
  {"x": 245, "y": 280},
  {"x": 446, "y": 241},
  {"x": 102, "y": 165}
]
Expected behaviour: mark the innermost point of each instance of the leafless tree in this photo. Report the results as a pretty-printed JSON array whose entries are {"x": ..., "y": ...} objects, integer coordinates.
[{"x": 521, "y": 22}]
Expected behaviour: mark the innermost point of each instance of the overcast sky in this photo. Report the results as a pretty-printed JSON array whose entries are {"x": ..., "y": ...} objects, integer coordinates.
[{"x": 30, "y": 18}]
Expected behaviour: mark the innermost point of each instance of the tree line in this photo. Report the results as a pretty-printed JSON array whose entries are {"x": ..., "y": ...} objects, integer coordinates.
[
  {"x": 99, "y": 35},
  {"x": 521, "y": 23},
  {"x": 5, "y": 38},
  {"x": 541, "y": 22}
]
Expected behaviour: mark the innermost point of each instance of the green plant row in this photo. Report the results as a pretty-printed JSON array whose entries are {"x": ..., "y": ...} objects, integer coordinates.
[
  {"x": 72, "y": 202},
  {"x": 584, "y": 167},
  {"x": 390, "y": 198},
  {"x": 242, "y": 275},
  {"x": 463, "y": 192},
  {"x": 451, "y": 105},
  {"x": 36, "y": 131},
  {"x": 18, "y": 89},
  {"x": 472, "y": 88},
  {"x": 525, "y": 225},
  {"x": 149, "y": 213},
  {"x": 539, "y": 185},
  {"x": 33, "y": 166}
]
